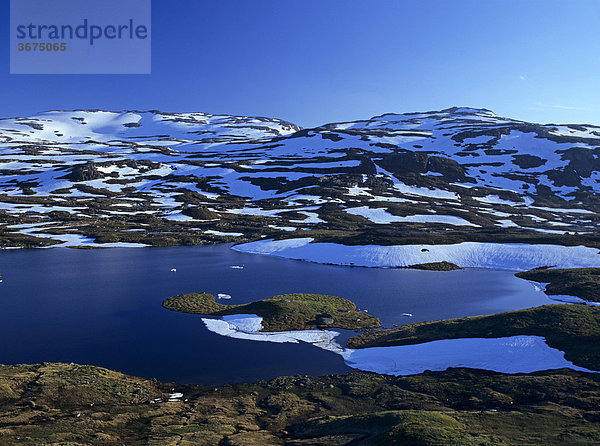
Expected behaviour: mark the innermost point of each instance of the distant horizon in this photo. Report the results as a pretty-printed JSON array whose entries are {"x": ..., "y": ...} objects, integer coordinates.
[
  {"x": 366, "y": 118},
  {"x": 315, "y": 62}
]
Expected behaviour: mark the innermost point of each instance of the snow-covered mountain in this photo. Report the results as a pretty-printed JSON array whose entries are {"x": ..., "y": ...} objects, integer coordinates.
[
  {"x": 82, "y": 126},
  {"x": 154, "y": 178}
]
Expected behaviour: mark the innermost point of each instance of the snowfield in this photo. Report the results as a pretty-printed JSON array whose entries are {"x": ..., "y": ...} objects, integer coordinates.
[
  {"x": 515, "y": 354},
  {"x": 247, "y": 326},
  {"x": 416, "y": 175},
  {"x": 517, "y": 256},
  {"x": 382, "y": 216}
]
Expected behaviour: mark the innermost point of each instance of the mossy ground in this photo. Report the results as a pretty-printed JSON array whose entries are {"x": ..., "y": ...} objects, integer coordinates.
[
  {"x": 574, "y": 329},
  {"x": 580, "y": 282},
  {"x": 67, "y": 404},
  {"x": 436, "y": 266},
  {"x": 281, "y": 313}
]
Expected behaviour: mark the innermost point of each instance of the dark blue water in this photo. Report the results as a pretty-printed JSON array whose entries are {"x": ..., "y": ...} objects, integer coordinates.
[{"x": 103, "y": 307}]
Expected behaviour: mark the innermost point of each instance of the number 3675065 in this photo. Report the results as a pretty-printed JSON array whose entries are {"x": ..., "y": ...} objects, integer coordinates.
[{"x": 42, "y": 46}]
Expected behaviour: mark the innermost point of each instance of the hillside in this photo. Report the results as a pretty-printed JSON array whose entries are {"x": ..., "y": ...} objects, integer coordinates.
[
  {"x": 85, "y": 405},
  {"x": 95, "y": 178}
]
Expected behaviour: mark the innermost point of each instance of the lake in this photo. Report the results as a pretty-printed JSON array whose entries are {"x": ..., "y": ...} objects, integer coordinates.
[{"x": 103, "y": 307}]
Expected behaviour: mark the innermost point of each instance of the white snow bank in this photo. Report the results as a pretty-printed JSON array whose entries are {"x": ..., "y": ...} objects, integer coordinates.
[
  {"x": 508, "y": 256},
  {"x": 572, "y": 300},
  {"x": 174, "y": 397},
  {"x": 541, "y": 287},
  {"x": 382, "y": 216},
  {"x": 247, "y": 326},
  {"x": 515, "y": 354},
  {"x": 224, "y": 234},
  {"x": 425, "y": 192},
  {"x": 283, "y": 228},
  {"x": 73, "y": 240},
  {"x": 495, "y": 199}
]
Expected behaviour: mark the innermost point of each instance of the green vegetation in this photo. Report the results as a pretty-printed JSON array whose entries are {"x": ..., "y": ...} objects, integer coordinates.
[
  {"x": 396, "y": 427},
  {"x": 196, "y": 303},
  {"x": 436, "y": 266},
  {"x": 68, "y": 404},
  {"x": 281, "y": 313},
  {"x": 581, "y": 282},
  {"x": 574, "y": 329}
]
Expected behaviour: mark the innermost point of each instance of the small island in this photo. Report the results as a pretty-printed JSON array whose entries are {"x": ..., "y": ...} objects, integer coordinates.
[
  {"x": 436, "y": 266},
  {"x": 283, "y": 312},
  {"x": 579, "y": 282}
]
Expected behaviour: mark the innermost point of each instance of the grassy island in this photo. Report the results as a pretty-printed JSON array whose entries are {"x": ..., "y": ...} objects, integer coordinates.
[
  {"x": 436, "y": 266},
  {"x": 283, "y": 312},
  {"x": 580, "y": 282},
  {"x": 574, "y": 329}
]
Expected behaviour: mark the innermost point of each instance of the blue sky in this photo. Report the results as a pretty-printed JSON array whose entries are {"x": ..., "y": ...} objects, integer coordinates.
[{"x": 317, "y": 61}]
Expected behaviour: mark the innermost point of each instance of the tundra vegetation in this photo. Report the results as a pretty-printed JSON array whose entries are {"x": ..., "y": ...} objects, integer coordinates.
[{"x": 283, "y": 312}]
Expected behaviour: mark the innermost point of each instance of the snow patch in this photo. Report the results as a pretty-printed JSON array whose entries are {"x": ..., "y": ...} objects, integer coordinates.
[
  {"x": 515, "y": 354},
  {"x": 224, "y": 234},
  {"x": 507, "y": 256},
  {"x": 247, "y": 326}
]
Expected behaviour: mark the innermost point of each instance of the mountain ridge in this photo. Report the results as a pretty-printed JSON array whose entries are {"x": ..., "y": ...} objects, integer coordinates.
[{"x": 99, "y": 178}]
